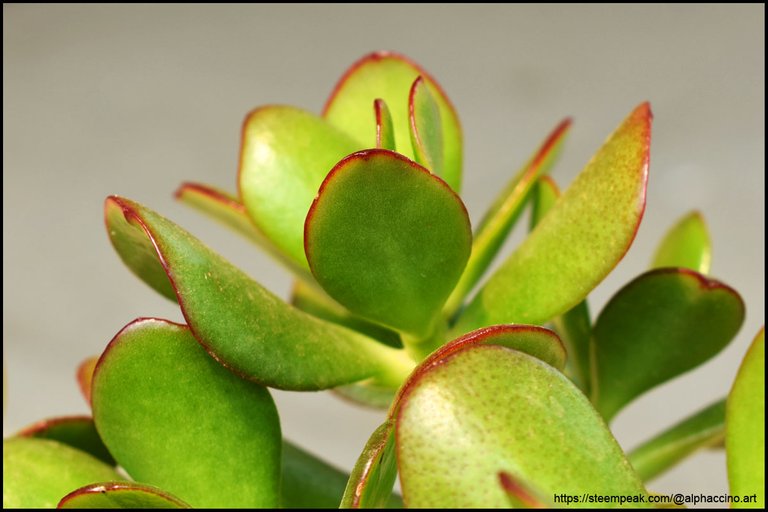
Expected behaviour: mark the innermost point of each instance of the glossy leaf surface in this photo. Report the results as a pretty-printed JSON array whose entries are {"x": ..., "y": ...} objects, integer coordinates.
[
  {"x": 389, "y": 76},
  {"x": 37, "y": 473},
  {"x": 703, "y": 429},
  {"x": 120, "y": 495},
  {"x": 467, "y": 417},
  {"x": 245, "y": 327},
  {"x": 229, "y": 211},
  {"x": 579, "y": 242},
  {"x": 372, "y": 478},
  {"x": 662, "y": 324},
  {"x": 76, "y": 431},
  {"x": 504, "y": 212},
  {"x": 575, "y": 325},
  {"x": 745, "y": 431},
  {"x": 388, "y": 240},
  {"x": 426, "y": 129},
  {"x": 687, "y": 244},
  {"x": 385, "y": 130},
  {"x": 286, "y": 153},
  {"x": 175, "y": 418}
]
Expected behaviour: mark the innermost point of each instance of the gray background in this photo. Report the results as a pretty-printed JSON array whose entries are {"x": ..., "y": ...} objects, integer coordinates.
[{"x": 134, "y": 100}]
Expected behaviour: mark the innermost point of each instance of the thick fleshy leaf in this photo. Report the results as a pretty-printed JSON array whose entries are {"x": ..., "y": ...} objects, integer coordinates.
[
  {"x": 372, "y": 478},
  {"x": 389, "y": 76},
  {"x": 120, "y": 495},
  {"x": 579, "y": 242},
  {"x": 465, "y": 418},
  {"x": 286, "y": 152},
  {"x": 309, "y": 482},
  {"x": 660, "y": 325},
  {"x": 175, "y": 418},
  {"x": 503, "y": 214},
  {"x": 84, "y": 377},
  {"x": 687, "y": 244},
  {"x": 244, "y": 326},
  {"x": 705, "y": 428},
  {"x": 426, "y": 128},
  {"x": 388, "y": 240},
  {"x": 385, "y": 131},
  {"x": 229, "y": 211},
  {"x": 75, "y": 431},
  {"x": 745, "y": 426},
  {"x": 37, "y": 473},
  {"x": 574, "y": 326},
  {"x": 367, "y": 393}
]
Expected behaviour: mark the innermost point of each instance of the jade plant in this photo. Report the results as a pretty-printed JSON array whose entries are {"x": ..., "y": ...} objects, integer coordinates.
[{"x": 500, "y": 385}]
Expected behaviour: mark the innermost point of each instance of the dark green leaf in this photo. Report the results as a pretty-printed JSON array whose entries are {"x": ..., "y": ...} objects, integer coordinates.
[
  {"x": 660, "y": 325},
  {"x": 75, "y": 431},
  {"x": 388, "y": 240}
]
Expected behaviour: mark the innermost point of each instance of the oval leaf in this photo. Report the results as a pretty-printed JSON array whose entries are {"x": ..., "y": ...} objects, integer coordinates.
[
  {"x": 703, "y": 429},
  {"x": 579, "y": 242},
  {"x": 687, "y": 244},
  {"x": 120, "y": 495},
  {"x": 426, "y": 130},
  {"x": 372, "y": 478},
  {"x": 228, "y": 210},
  {"x": 241, "y": 324},
  {"x": 389, "y": 76},
  {"x": 503, "y": 214},
  {"x": 745, "y": 427},
  {"x": 469, "y": 416},
  {"x": 37, "y": 473},
  {"x": 85, "y": 375},
  {"x": 175, "y": 418},
  {"x": 388, "y": 240},
  {"x": 385, "y": 131},
  {"x": 660, "y": 325},
  {"x": 286, "y": 152},
  {"x": 75, "y": 431}
]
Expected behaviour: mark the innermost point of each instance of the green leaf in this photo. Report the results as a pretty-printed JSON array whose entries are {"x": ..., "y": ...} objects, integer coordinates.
[
  {"x": 367, "y": 393},
  {"x": 229, "y": 211},
  {"x": 372, "y": 478},
  {"x": 745, "y": 427},
  {"x": 660, "y": 325},
  {"x": 244, "y": 326},
  {"x": 389, "y": 76},
  {"x": 388, "y": 240},
  {"x": 578, "y": 243},
  {"x": 703, "y": 429},
  {"x": 120, "y": 495},
  {"x": 286, "y": 153},
  {"x": 385, "y": 131},
  {"x": 75, "y": 431},
  {"x": 574, "y": 326},
  {"x": 503, "y": 214},
  {"x": 37, "y": 473},
  {"x": 426, "y": 129},
  {"x": 465, "y": 418},
  {"x": 309, "y": 482},
  {"x": 175, "y": 418},
  {"x": 533, "y": 340},
  {"x": 687, "y": 244}
]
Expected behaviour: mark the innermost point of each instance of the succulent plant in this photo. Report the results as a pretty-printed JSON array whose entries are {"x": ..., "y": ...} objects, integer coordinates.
[{"x": 500, "y": 385}]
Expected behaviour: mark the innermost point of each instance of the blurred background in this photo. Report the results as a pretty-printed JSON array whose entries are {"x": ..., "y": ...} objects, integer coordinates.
[{"x": 135, "y": 99}]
